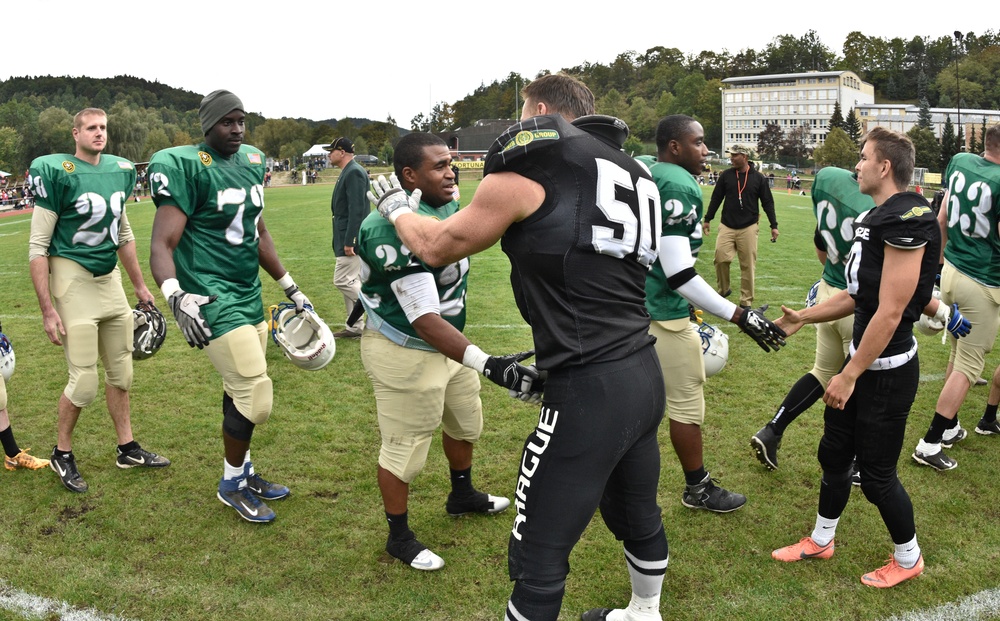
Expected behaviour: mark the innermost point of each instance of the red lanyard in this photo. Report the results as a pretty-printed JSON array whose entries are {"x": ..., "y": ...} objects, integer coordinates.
[{"x": 739, "y": 190}]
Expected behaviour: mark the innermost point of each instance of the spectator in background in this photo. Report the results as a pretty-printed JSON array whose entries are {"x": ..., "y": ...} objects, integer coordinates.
[{"x": 350, "y": 207}]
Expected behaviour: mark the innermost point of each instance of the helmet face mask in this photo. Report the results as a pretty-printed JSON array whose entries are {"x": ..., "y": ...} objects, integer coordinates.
[
  {"x": 7, "y": 358},
  {"x": 303, "y": 337},
  {"x": 714, "y": 348},
  {"x": 929, "y": 325},
  {"x": 149, "y": 332}
]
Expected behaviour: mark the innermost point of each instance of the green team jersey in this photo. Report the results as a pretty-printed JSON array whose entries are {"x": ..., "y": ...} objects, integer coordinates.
[
  {"x": 217, "y": 254},
  {"x": 388, "y": 260},
  {"x": 90, "y": 202},
  {"x": 681, "y": 209},
  {"x": 973, "y": 213},
  {"x": 837, "y": 202}
]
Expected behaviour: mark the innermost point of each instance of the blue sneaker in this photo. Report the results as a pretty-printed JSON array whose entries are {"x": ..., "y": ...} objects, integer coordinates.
[
  {"x": 262, "y": 488},
  {"x": 237, "y": 495}
]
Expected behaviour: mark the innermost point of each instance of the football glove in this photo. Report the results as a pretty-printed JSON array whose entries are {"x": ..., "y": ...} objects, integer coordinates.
[
  {"x": 187, "y": 311},
  {"x": 758, "y": 327},
  {"x": 531, "y": 387},
  {"x": 505, "y": 371},
  {"x": 958, "y": 325},
  {"x": 292, "y": 292},
  {"x": 390, "y": 198}
]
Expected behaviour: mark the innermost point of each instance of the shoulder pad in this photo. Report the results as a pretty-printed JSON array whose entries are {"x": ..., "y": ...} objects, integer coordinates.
[{"x": 612, "y": 130}]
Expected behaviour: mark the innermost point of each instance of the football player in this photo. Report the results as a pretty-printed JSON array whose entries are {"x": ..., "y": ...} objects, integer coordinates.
[
  {"x": 79, "y": 232},
  {"x": 579, "y": 220},
  {"x": 415, "y": 350},
  {"x": 209, "y": 242},
  {"x": 837, "y": 203},
  {"x": 671, "y": 284},
  {"x": 890, "y": 278},
  {"x": 970, "y": 278},
  {"x": 14, "y": 456}
]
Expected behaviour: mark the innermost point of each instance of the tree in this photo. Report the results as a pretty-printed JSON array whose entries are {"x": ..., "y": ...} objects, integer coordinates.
[
  {"x": 612, "y": 104},
  {"x": 127, "y": 131},
  {"x": 11, "y": 155},
  {"x": 949, "y": 143},
  {"x": 853, "y": 126},
  {"x": 928, "y": 148},
  {"x": 641, "y": 120},
  {"x": 157, "y": 140},
  {"x": 838, "y": 150},
  {"x": 55, "y": 127},
  {"x": 794, "y": 144},
  {"x": 924, "y": 119},
  {"x": 769, "y": 141},
  {"x": 837, "y": 120}
]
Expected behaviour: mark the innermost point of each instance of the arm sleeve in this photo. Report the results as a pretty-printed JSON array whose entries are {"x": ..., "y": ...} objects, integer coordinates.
[
  {"x": 417, "y": 295},
  {"x": 678, "y": 265},
  {"x": 43, "y": 224},
  {"x": 125, "y": 234}
]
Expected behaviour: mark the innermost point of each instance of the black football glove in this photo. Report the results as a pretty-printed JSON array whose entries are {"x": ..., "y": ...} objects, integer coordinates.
[
  {"x": 187, "y": 311},
  {"x": 758, "y": 327},
  {"x": 508, "y": 372}
]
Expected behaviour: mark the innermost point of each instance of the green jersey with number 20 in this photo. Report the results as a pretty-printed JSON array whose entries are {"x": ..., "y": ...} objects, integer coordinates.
[
  {"x": 837, "y": 201},
  {"x": 89, "y": 200},
  {"x": 217, "y": 254}
]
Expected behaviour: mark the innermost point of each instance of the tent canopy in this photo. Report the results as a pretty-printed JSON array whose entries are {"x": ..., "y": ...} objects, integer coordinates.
[
  {"x": 4, "y": 174},
  {"x": 315, "y": 150}
]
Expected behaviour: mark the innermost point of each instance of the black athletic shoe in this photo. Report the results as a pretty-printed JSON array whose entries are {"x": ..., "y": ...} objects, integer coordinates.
[
  {"x": 65, "y": 467},
  {"x": 765, "y": 444},
  {"x": 988, "y": 428},
  {"x": 140, "y": 458},
  {"x": 413, "y": 553},
  {"x": 855, "y": 475},
  {"x": 262, "y": 488},
  {"x": 709, "y": 496},
  {"x": 478, "y": 502},
  {"x": 596, "y": 614}
]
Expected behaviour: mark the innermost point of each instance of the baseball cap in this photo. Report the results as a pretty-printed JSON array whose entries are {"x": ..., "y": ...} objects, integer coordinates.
[
  {"x": 738, "y": 149},
  {"x": 341, "y": 143}
]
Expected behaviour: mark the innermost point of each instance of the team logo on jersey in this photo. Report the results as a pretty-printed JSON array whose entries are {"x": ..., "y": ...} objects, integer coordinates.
[
  {"x": 254, "y": 158},
  {"x": 69, "y": 166},
  {"x": 205, "y": 158},
  {"x": 917, "y": 211},
  {"x": 525, "y": 137}
]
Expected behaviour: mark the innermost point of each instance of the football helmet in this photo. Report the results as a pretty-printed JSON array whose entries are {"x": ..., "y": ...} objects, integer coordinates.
[
  {"x": 303, "y": 337},
  {"x": 930, "y": 325},
  {"x": 812, "y": 295},
  {"x": 6, "y": 357},
  {"x": 149, "y": 331},
  {"x": 714, "y": 347}
]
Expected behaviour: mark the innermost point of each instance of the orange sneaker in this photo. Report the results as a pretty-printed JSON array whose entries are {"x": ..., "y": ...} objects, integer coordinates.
[
  {"x": 805, "y": 548},
  {"x": 892, "y": 574},
  {"x": 23, "y": 460}
]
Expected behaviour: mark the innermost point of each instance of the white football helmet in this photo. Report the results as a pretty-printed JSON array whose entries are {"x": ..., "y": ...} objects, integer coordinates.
[
  {"x": 303, "y": 337},
  {"x": 149, "y": 332},
  {"x": 6, "y": 357},
  {"x": 812, "y": 295},
  {"x": 929, "y": 325},
  {"x": 714, "y": 347}
]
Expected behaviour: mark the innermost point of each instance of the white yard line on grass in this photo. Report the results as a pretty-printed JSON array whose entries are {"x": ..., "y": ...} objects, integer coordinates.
[
  {"x": 978, "y": 606},
  {"x": 31, "y": 606}
]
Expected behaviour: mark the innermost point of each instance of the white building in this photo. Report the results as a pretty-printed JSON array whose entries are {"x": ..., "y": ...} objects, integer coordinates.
[
  {"x": 790, "y": 100},
  {"x": 903, "y": 118}
]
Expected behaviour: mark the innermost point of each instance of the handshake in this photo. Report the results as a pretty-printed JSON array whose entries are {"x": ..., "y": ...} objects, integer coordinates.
[{"x": 526, "y": 383}]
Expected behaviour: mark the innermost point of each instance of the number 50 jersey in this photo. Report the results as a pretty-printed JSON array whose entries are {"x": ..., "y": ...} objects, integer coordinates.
[
  {"x": 579, "y": 263},
  {"x": 89, "y": 201},
  {"x": 217, "y": 254}
]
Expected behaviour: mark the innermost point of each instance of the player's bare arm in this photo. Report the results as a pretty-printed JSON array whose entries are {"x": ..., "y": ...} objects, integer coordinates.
[
  {"x": 168, "y": 226},
  {"x": 900, "y": 272},
  {"x": 267, "y": 253},
  {"x": 130, "y": 261},
  {"x": 836, "y": 307},
  {"x": 501, "y": 199}
]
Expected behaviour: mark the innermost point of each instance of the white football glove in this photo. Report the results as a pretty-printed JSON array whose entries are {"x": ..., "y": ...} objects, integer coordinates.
[
  {"x": 187, "y": 311},
  {"x": 292, "y": 292},
  {"x": 390, "y": 198}
]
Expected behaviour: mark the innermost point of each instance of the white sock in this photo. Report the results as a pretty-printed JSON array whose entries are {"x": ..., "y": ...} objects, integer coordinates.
[
  {"x": 825, "y": 530},
  {"x": 246, "y": 460},
  {"x": 231, "y": 472},
  {"x": 907, "y": 554},
  {"x": 645, "y": 603}
]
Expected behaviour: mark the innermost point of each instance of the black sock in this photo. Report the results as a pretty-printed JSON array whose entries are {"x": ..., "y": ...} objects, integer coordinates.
[
  {"x": 800, "y": 398},
  {"x": 694, "y": 477},
  {"x": 936, "y": 430},
  {"x": 125, "y": 448},
  {"x": 9, "y": 445},
  {"x": 461, "y": 482},
  {"x": 61, "y": 454},
  {"x": 990, "y": 414},
  {"x": 397, "y": 525}
]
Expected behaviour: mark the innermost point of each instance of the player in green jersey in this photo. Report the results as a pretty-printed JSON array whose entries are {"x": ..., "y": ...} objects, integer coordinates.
[
  {"x": 420, "y": 364},
  {"x": 672, "y": 282},
  {"x": 79, "y": 232},
  {"x": 970, "y": 278},
  {"x": 209, "y": 241}
]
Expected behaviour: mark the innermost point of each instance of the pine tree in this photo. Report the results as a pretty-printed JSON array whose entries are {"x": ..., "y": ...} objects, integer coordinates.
[
  {"x": 924, "y": 119},
  {"x": 853, "y": 126},
  {"x": 837, "y": 120},
  {"x": 949, "y": 145}
]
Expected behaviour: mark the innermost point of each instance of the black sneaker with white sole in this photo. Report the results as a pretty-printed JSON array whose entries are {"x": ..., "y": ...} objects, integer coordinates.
[
  {"x": 988, "y": 428},
  {"x": 925, "y": 455},
  {"x": 65, "y": 467},
  {"x": 709, "y": 496},
  {"x": 413, "y": 553},
  {"x": 953, "y": 436},
  {"x": 139, "y": 457},
  {"x": 765, "y": 444},
  {"x": 477, "y": 502},
  {"x": 236, "y": 494}
]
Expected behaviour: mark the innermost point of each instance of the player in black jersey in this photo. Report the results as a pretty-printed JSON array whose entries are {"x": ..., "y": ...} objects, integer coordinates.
[
  {"x": 579, "y": 221},
  {"x": 890, "y": 277}
]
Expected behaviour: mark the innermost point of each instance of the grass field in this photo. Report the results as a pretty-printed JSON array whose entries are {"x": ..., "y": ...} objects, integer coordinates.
[{"x": 158, "y": 545}]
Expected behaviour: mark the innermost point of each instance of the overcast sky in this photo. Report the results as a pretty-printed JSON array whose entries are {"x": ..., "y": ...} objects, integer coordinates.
[{"x": 336, "y": 59}]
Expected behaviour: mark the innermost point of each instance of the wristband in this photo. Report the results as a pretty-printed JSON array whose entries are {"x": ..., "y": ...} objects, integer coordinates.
[
  {"x": 169, "y": 287},
  {"x": 285, "y": 281},
  {"x": 475, "y": 358}
]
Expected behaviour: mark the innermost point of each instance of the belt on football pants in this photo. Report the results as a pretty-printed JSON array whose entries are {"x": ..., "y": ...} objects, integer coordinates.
[
  {"x": 396, "y": 336},
  {"x": 890, "y": 362}
]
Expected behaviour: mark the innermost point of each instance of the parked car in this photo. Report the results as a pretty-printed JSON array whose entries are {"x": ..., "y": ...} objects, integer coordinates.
[{"x": 368, "y": 160}]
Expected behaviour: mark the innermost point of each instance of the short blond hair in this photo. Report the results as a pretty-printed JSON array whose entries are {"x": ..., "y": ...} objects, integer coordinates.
[
  {"x": 78, "y": 119},
  {"x": 562, "y": 94}
]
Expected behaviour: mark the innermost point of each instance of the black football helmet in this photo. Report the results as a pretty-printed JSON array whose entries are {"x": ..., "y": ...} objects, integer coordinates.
[{"x": 149, "y": 332}]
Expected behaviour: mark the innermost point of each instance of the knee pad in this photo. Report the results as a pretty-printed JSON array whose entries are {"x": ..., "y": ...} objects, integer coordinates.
[
  {"x": 82, "y": 389},
  {"x": 261, "y": 400},
  {"x": 969, "y": 360},
  {"x": 118, "y": 373},
  {"x": 875, "y": 491},
  {"x": 235, "y": 424},
  {"x": 81, "y": 356},
  {"x": 833, "y": 461},
  {"x": 405, "y": 460},
  {"x": 835, "y": 478}
]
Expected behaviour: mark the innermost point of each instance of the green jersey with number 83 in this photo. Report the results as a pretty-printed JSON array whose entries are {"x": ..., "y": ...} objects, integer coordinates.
[{"x": 973, "y": 213}]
